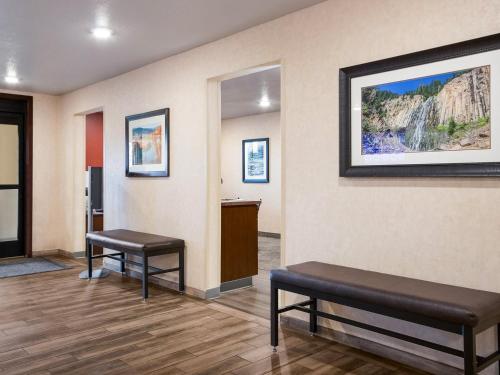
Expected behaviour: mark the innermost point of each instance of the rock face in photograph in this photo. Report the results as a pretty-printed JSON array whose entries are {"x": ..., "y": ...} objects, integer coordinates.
[{"x": 449, "y": 115}]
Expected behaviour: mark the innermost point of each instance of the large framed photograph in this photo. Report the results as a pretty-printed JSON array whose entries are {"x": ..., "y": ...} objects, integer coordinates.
[
  {"x": 255, "y": 160},
  {"x": 147, "y": 144},
  {"x": 430, "y": 113}
]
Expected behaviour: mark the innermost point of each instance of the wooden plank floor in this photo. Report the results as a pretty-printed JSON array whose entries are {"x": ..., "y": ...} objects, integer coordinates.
[
  {"x": 55, "y": 323},
  {"x": 256, "y": 299}
]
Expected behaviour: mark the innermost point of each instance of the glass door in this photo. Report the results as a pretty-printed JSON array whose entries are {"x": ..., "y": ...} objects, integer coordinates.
[{"x": 11, "y": 185}]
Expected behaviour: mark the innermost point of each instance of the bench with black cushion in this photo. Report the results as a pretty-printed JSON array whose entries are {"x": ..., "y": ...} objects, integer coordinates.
[
  {"x": 462, "y": 311},
  {"x": 143, "y": 245}
]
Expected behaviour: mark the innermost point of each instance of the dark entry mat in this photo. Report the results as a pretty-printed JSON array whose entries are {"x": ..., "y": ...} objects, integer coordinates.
[{"x": 28, "y": 266}]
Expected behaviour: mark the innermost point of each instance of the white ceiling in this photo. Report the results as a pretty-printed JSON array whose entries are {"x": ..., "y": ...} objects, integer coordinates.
[
  {"x": 48, "y": 42},
  {"x": 241, "y": 96}
]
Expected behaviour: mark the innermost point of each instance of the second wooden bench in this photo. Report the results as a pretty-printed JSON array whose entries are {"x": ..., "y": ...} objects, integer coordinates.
[{"x": 462, "y": 311}]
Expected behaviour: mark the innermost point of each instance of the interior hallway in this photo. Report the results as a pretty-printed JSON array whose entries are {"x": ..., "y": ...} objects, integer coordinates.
[{"x": 103, "y": 327}]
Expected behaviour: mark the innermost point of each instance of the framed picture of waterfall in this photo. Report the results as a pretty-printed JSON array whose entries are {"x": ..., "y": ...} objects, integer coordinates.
[
  {"x": 147, "y": 147},
  {"x": 429, "y": 113}
]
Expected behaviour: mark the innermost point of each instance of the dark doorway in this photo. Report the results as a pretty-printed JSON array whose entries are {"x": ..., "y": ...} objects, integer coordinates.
[
  {"x": 15, "y": 175},
  {"x": 94, "y": 150}
]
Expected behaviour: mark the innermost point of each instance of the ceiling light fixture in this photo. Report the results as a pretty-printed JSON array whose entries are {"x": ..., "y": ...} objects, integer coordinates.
[
  {"x": 102, "y": 33},
  {"x": 264, "y": 102},
  {"x": 12, "y": 79}
]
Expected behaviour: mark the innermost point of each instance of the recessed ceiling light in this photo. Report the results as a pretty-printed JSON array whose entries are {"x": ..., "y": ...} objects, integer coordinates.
[
  {"x": 264, "y": 102},
  {"x": 102, "y": 33},
  {"x": 11, "y": 79}
]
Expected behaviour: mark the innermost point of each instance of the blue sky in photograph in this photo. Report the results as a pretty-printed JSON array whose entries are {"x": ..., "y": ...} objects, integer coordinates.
[{"x": 403, "y": 87}]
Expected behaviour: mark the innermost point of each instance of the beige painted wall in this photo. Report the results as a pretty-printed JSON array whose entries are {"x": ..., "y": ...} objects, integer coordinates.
[
  {"x": 233, "y": 131},
  {"x": 48, "y": 214},
  {"x": 48, "y": 206},
  {"x": 439, "y": 229}
]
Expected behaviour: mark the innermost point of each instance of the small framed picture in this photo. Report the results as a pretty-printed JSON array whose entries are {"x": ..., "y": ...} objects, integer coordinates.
[
  {"x": 147, "y": 144},
  {"x": 255, "y": 160}
]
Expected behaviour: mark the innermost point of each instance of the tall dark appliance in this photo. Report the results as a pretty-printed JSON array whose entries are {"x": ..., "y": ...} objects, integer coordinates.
[
  {"x": 94, "y": 203},
  {"x": 95, "y": 199}
]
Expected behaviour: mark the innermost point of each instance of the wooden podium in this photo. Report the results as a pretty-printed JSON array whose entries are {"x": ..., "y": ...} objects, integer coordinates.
[{"x": 239, "y": 239}]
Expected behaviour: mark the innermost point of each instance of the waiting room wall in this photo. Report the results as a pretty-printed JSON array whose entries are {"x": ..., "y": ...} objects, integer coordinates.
[{"x": 443, "y": 230}]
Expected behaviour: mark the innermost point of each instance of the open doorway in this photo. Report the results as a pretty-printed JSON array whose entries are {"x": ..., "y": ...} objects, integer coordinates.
[
  {"x": 250, "y": 157},
  {"x": 94, "y": 163}
]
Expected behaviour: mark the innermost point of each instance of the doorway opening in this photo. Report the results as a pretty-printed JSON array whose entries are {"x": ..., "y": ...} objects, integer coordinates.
[
  {"x": 250, "y": 192},
  {"x": 15, "y": 175},
  {"x": 94, "y": 164}
]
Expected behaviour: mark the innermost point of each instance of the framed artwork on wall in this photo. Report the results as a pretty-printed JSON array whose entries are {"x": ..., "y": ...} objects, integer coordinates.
[
  {"x": 147, "y": 144},
  {"x": 255, "y": 154},
  {"x": 429, "y": 113}
]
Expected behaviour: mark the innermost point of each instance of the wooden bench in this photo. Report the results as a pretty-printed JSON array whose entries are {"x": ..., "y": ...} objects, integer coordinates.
[
  {"x": 462, "y": 311},
  {"x": 143, "y": 245}
]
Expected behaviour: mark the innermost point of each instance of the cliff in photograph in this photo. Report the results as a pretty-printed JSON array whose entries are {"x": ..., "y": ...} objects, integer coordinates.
[{"x": 453, "y": 114}]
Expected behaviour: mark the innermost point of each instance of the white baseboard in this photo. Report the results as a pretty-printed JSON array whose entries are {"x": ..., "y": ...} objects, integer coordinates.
[{"x": 64, "y": 253}]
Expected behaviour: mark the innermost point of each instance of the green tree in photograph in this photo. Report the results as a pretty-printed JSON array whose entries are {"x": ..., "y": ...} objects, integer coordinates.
[{"x": 452, "y": 125}]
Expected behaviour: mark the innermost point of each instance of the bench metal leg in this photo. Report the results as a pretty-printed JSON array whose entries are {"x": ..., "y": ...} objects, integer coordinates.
[
  {"x": 122, "y": 264},
  {"x": 145, "y": 272},
  {"x": 182, "y": 287},
  {"x": 90, "y": 249},
  {"x": 470, "y": 359},
  {"x": 274, "y": 316},
  {"x": 313, "y": 318}
]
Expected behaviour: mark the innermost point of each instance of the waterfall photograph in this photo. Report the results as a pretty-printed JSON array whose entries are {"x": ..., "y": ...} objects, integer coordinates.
[{"x": 442, "y": 112}]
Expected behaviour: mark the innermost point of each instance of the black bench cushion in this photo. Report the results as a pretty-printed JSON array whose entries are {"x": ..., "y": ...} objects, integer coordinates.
[
  {"x": 438, "y": 301},
  {"x": 122, "y": 239}
]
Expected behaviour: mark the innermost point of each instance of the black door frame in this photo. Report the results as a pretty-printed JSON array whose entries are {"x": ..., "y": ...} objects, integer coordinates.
[{"x": 23, "y": 105}]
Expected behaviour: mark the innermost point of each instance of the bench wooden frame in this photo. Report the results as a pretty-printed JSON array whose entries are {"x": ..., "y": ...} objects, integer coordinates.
[
  {"x": 145, "y": 255},
  {"x": 472, "y": 362}
]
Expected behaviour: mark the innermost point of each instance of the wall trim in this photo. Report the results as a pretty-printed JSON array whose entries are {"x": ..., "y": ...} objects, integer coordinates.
[
  {"x": 236, "y": 284},
  {"x": 212, "y": 293},
  {"x": 406, "y": 358},
  {"x": 76, "y": 254},
  {"x": 63, "y": 253},
  {"x": 44, "y": 253},
  {"x": 269, "y": 234}
]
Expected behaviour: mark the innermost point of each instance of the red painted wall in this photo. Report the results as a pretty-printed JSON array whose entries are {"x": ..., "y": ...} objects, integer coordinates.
[{"x": 94, "y": 140}]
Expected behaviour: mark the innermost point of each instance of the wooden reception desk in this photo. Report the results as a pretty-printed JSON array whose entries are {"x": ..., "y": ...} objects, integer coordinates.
[{"x": 239, "y": 239}]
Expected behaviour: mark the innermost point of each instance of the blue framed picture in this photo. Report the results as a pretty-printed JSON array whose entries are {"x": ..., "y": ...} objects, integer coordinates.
[{"x": 255, "y": 154}]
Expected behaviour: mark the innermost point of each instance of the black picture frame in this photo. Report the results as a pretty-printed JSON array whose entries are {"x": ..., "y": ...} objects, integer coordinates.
[
  {"x": 259, "y": 181},
  {"x": 346, "y": 169},
  {"x": 163, "y": 173}
]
